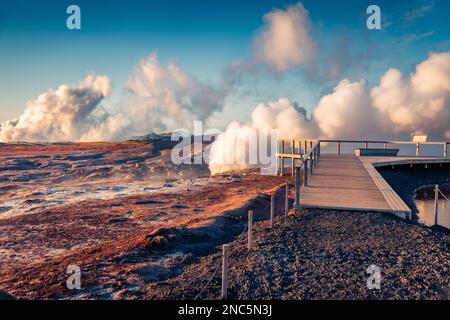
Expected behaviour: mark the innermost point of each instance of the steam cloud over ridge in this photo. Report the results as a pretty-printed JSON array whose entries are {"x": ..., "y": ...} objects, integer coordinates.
[
  {"x": 398, "y": 105},
  {"x": 165, "y": 97},
  {"x": 159, "y": 98},
  {"x": 64, "y": 113}
]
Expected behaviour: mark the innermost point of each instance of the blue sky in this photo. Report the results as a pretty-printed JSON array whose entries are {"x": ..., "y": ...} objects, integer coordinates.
[{"x": 37, "y": 52}]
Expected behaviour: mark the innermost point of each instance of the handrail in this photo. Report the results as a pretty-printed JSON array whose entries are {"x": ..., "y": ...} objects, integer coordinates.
[
  {"x": 443, "y": 195},
  {"x": 384, "y": 141},
  {"x": 367, "y": 142},
  {"x": 299, "y": 156},
  {"x": 312, "y": 155}
]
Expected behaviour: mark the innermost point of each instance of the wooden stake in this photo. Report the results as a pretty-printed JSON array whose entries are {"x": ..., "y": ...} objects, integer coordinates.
[
  {"x": 286, "y": 200},
  {"x": 272, "y": 210},
  {"x": 436, "y": 204},
  {"x": 297, "y": 188},
  {"x": 305, "y": 171}
]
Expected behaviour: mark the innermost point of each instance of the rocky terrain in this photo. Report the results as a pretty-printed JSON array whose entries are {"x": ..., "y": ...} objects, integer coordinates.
[
  {"x": 140, "y": 227},
  {"x": 119, "y": 211},
  {"x": 318, "y": 254},
  {"x": 39, "y": 176}
]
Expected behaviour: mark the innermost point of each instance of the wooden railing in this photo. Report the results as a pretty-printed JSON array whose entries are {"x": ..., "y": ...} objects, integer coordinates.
[
  {"x": 302, "y": 151},
  {"x": 305, "y": 154},
  {"x": 387, "y": 143},
  {"x": 303, "y": 143},
  {"x": 307, "y": 160}
]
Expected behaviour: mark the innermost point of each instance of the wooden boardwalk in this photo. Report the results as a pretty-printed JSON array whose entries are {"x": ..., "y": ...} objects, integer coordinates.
[{"x": 347, "y": 182}]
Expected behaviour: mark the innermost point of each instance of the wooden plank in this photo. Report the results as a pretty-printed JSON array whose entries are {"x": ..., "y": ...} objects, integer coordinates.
[
  {"x": 397, "y": 205},
  {"x": 347, "y": 182},
  {"x": 344, "y": 182}
]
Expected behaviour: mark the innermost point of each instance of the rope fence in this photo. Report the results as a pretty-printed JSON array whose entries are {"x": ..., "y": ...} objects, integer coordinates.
[
  {"x": 310, "y": 155},
  {"x": 437, "y": 191},
  {"x": 248, "y": 227},
  {"x": 443, "y": 195},
  {"x": 307, "y": 158},
  {"x": 209, "y": 282}
]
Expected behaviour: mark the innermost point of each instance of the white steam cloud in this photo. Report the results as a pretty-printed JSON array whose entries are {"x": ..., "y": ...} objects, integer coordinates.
[
  {"x": 228, "y": 151},
  {"x": 160, "y": 98},
  {"x": 346, "y": 112},
  {"x": 165, "y": 98},
  {"x": 419, "y": 103},
  {"x": 284, "y": 41},
  {"x": 61, "y": 114}
]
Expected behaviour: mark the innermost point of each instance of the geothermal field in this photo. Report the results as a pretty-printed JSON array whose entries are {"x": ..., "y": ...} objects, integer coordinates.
[
  {"x": 122, "y": 212},
  {"x": 213, "y": 150},
  {"x": 140, "y": 227}
]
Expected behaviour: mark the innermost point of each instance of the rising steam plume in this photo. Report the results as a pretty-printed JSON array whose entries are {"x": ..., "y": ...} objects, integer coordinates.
[
  {"x": 398, "y": 105},
  {"x": 158, "y": 98},
  {"x": 164, "y": 97}
]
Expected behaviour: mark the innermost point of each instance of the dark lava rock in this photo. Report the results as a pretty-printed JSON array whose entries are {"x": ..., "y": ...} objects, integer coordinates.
[
  {"x": 6, "y": 296},
  {"x": 148, "y": 202}
]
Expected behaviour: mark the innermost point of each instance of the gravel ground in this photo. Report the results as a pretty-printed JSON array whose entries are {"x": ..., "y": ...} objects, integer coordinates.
[{"x": 319, "y": 254}]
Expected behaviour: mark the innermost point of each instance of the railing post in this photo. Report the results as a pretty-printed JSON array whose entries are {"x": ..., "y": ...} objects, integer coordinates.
[
  {"x": 297, "y": 188},
  {"x": 278, "y": 158},
  {"x": 445, "y": 149},
  {"x": 436, "y": 204},
  {"x": 305, "y": 171},
  {"x": 272, "y": 210},
  {"x": 224, "y": 271},
  {"x": 311, "y": 164},
  {"x": 293, "y": 167},
  {"x": 306, "y": 147},
  {"x": 366, "y": 145},
  {"x": 281, "y": 166},
  {"x": 286, "y": 200},
  {"x": 292, "y": 159},
  {"x": 385, "y": 145},
  {"x": 250, "y": 229},
  {"x": 282, "y": 159},
  {"x": 315, "y": 157},
  {"x": 417, "y": 149},
  {"x": 339, "y": 148}
]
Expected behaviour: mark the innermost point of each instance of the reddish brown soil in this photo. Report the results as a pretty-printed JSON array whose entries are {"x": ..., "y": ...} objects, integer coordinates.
[
  {"x": 94, "y": 234},
  {"x": 19, "y": 149}
]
